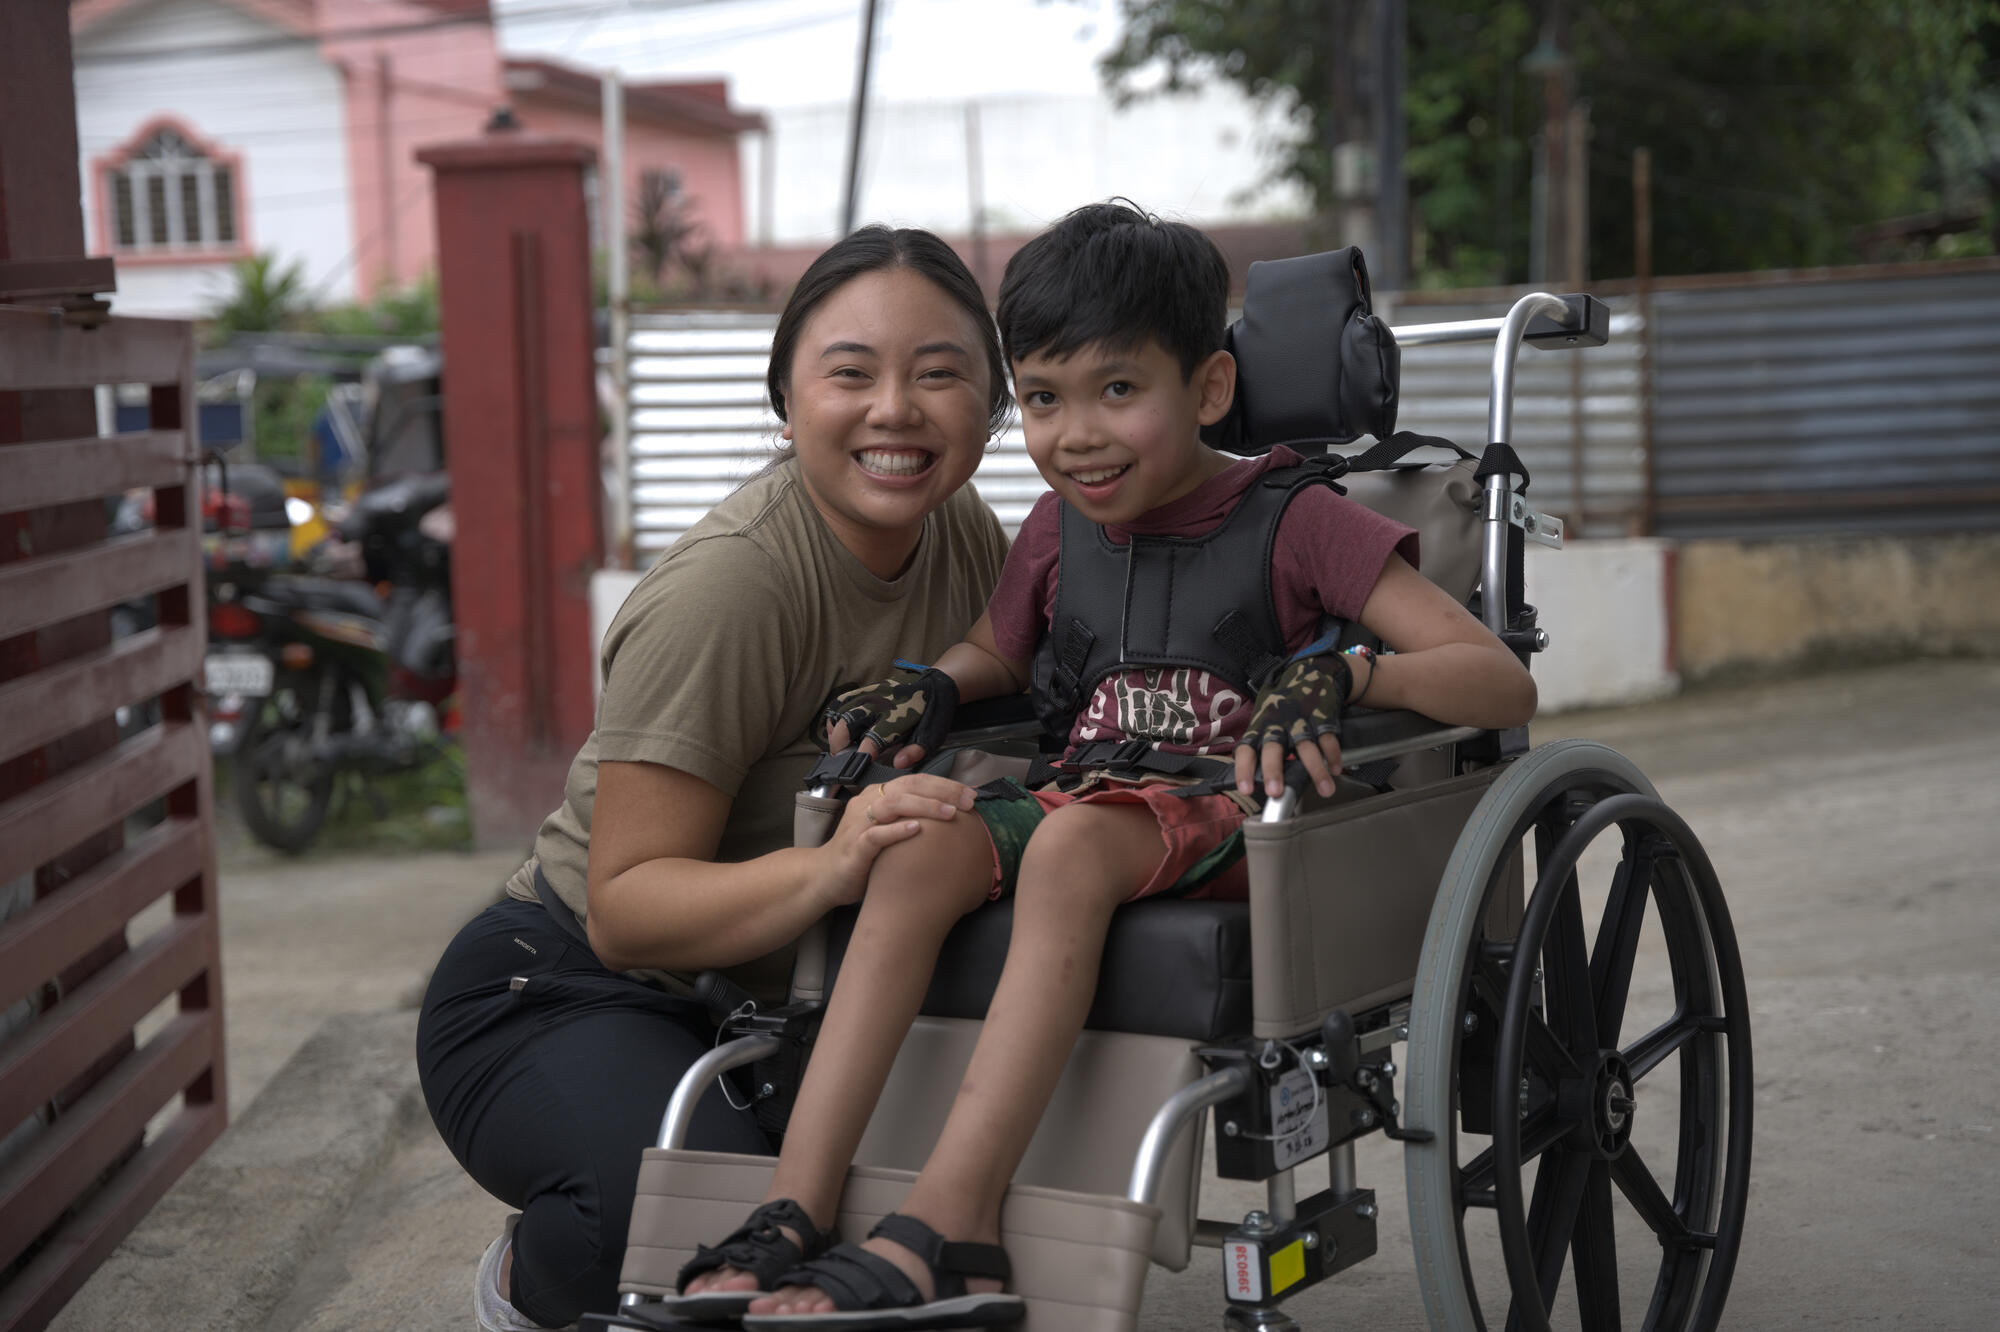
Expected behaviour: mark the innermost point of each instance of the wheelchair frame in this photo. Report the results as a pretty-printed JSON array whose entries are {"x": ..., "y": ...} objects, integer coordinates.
[{"x": 1479, "y": 1024}]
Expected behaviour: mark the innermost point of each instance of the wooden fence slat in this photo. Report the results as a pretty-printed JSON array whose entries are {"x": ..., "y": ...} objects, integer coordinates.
[
  {"x": 48, "y": 819},
  {"x": 54, "y": 702},
  {"x": 48, "y": 589},
  {"x": 59, "y": 1163},
  {"x": 59, "y": 1045},
  {"x": 62, "y": 927},
  {"x": 42, "y": 352},
  {"x": 62, "y": 471},
  {"x": 37, "y": 1292}
]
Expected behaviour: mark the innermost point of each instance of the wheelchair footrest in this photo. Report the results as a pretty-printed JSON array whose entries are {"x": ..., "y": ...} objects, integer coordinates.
[
  {"x": 1265, "y": 1260},
  {"x": 628, "y": 1323}
]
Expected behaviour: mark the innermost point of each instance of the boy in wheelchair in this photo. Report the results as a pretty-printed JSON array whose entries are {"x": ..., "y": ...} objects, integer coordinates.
[{"x": 1113, "y": 325}]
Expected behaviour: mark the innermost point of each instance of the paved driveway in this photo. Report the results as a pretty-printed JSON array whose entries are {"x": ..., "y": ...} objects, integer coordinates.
[{"x": 1856, "y": 827}]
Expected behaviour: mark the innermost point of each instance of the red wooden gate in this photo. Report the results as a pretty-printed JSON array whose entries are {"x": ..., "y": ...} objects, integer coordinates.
[{"x": 77, "y": 1094}]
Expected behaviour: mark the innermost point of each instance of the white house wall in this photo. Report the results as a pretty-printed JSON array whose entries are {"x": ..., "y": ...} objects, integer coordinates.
[
  {"x": 1200, "y": 156},
  {"x": 280, "y": 108}
]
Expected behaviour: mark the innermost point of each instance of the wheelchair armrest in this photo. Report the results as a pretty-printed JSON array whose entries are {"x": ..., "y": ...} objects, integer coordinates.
[
  {"x": 991, "y": 721},
  {"x": 1367, "y": 735}
]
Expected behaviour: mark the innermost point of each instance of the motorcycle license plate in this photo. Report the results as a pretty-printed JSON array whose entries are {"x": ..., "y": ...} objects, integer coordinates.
[{"x": 237, "y": 673}]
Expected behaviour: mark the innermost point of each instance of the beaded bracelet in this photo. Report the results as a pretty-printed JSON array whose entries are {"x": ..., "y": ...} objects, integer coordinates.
[{"x": 1374, "y": 661}]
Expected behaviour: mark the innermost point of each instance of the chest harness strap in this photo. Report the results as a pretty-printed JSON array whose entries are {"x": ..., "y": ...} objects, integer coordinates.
[{"x": 1203, "y": 603}]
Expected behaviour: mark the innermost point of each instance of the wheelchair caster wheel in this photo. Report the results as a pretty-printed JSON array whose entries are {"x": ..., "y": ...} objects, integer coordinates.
[{"x": 1607, "y": 1070}]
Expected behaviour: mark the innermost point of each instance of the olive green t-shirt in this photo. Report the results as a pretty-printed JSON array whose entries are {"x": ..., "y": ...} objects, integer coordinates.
[{"x": 724, "y": 654}]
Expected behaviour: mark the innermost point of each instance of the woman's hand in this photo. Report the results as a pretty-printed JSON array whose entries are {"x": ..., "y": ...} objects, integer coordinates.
[{"x": 877, "y": 818}]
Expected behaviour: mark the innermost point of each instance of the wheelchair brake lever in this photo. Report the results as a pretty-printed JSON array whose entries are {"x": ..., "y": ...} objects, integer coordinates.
[{"x": 1342, "y": 1048}]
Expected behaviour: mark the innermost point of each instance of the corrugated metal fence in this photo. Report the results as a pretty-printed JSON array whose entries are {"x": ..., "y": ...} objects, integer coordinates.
[
  {"x": 1810, "y": 406},
  {"x": 1578, "y": 414},
  {"x": 1779, "y": 404}
]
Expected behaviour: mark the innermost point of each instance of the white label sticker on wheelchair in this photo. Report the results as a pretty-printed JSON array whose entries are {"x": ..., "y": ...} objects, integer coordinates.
[
  {"x": 1298, "y": 1119},
  {"x": 1243, "y": 1270}
]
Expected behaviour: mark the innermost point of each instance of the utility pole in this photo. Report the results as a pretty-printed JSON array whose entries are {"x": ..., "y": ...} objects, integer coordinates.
[
  {"x": 1391, "y": 264},
  {"x": 1367, "y": 195},
  {"x": 858, "y": 118},
  {"x": 975, "y": 188},
  {"x": 1550, "y": 248},
  {"x": 617, "y": 286}
]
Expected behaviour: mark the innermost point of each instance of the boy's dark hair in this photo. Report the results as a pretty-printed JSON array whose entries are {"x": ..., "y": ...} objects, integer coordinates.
[
  {"x": 875, "y": 249},
  {"x": 1114, "y": 274}
]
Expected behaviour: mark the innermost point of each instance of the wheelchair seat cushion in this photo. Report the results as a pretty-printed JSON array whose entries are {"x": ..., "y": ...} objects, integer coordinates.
[{"x": 1171, "y": 967}]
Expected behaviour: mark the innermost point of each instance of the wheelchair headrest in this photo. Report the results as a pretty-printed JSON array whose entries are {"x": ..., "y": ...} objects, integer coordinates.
[{"x": 1314, "y": 366}]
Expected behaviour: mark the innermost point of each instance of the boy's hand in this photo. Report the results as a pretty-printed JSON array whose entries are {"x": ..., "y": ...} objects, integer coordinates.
[
  {"x": 1298, "y": 712},
  {"x": 906, "y": 715}
]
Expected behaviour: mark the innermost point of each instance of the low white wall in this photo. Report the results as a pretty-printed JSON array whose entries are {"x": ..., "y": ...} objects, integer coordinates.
[
  {"x": 1608, "y": 608},
  {"x": 1605, "y": 604},
  {"x": 608, "y": 590}
]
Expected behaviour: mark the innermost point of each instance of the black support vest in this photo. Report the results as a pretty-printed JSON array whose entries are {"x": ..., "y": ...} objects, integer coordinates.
[{"x": 1202, "y": 602}]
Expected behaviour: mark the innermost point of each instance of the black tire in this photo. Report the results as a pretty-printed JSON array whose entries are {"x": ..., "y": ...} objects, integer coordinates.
[
  {"x": 283, "y": 797},
  {"x": 1512, "y": 1053}
]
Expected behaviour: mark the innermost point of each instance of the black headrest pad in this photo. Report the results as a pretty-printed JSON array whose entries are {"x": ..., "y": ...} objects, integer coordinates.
[{"x": 1314, "y": 366}]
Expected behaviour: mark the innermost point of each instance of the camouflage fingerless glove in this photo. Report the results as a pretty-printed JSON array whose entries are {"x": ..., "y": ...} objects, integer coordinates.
[
  {"x": 1301, "y": 703},
  {"x": 912, "y": 707}
]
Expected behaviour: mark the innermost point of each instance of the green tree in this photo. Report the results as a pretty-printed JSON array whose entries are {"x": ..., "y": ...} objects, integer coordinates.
[
  {"x": 1776, "y": 129},
  {"x": 392, "y": 312},
  {"x": 268, "y": 296}
]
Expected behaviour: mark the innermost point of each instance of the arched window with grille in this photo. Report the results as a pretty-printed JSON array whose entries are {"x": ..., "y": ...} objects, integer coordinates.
[{"x": 170, "y": 192}]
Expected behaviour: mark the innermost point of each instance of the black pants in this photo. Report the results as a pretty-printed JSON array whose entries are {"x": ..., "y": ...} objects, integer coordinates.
[{"x": 547, "y": 1095}]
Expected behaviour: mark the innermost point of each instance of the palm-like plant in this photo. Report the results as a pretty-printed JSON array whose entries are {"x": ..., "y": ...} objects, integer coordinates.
[{"x": 268, "y": 297}]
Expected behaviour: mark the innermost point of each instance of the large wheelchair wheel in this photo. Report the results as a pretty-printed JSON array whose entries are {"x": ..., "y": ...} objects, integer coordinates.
[{"x": 1561, "y": 1070}]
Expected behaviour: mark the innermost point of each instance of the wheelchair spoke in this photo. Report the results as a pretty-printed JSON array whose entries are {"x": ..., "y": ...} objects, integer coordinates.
[
  {"x": 1545, "y": 1051},
  {"x": 1566, "y": 979},
  {"x": 1649, "y": 1051},
  {"x": 1618, "y": 941},
  {"x": 1594, "y": 1251},
  {"x": 1539, "y": 1132},
  {"x": 1552, "y": 1217},
  {"x": 1636, "y": 1182}
]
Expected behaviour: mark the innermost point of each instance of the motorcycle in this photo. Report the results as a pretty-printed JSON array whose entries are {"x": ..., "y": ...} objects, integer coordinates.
[{"x": 341, "y": 675}]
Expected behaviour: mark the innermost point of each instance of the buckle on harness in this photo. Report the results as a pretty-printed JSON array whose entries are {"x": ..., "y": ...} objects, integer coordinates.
[
  {"x": 847, "y": 768},
  {"x": 1129, "y": 753}
]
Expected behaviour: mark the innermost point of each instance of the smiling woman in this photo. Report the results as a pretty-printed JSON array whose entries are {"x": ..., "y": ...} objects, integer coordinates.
[{"x": 558, "y": 1022}]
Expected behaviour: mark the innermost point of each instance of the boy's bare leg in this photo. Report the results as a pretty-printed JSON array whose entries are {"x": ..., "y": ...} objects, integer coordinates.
[
  {"x": 917, "y": 891},
  {"x": 1081, "y": 863}
]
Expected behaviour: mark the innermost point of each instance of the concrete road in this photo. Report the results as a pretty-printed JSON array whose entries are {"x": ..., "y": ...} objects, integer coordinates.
[{"x": 1855, "y": 825}]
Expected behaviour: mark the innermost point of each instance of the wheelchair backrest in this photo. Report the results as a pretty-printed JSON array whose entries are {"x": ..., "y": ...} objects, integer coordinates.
[{"x": 1317, "y": 369}]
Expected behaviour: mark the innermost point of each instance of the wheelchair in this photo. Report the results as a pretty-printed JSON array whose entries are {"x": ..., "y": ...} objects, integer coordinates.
[{"x": 1442, "y": 900}]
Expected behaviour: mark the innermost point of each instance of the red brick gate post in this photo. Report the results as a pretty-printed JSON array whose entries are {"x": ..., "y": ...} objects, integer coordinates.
[{"x": 521, "y": 441}]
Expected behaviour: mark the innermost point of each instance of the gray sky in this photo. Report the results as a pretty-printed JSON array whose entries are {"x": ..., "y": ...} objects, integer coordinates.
[{"x": 784, "y": 53}]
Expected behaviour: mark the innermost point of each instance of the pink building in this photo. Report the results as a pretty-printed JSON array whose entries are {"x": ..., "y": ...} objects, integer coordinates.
[{"x": 213, "y": 129}]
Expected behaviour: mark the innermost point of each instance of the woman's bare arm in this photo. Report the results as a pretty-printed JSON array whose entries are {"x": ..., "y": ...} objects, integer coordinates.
[{"x": 657, "y": 898}]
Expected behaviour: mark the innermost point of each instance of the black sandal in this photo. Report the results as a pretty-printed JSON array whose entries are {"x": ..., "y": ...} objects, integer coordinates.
[
  {"x": 871, "y": 1294},
  {"x": 757, "y": 1247}
]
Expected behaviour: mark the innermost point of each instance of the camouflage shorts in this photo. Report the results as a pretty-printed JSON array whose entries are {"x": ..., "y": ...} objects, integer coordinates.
[{"x": 1201, "y": 836}]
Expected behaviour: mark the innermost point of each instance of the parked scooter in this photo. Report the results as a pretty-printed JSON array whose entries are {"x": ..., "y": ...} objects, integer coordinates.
[{"x": 341, "y": 675}]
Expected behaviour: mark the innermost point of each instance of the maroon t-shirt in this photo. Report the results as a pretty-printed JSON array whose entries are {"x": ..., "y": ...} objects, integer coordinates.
[{"x": 1329, "y": 552}]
